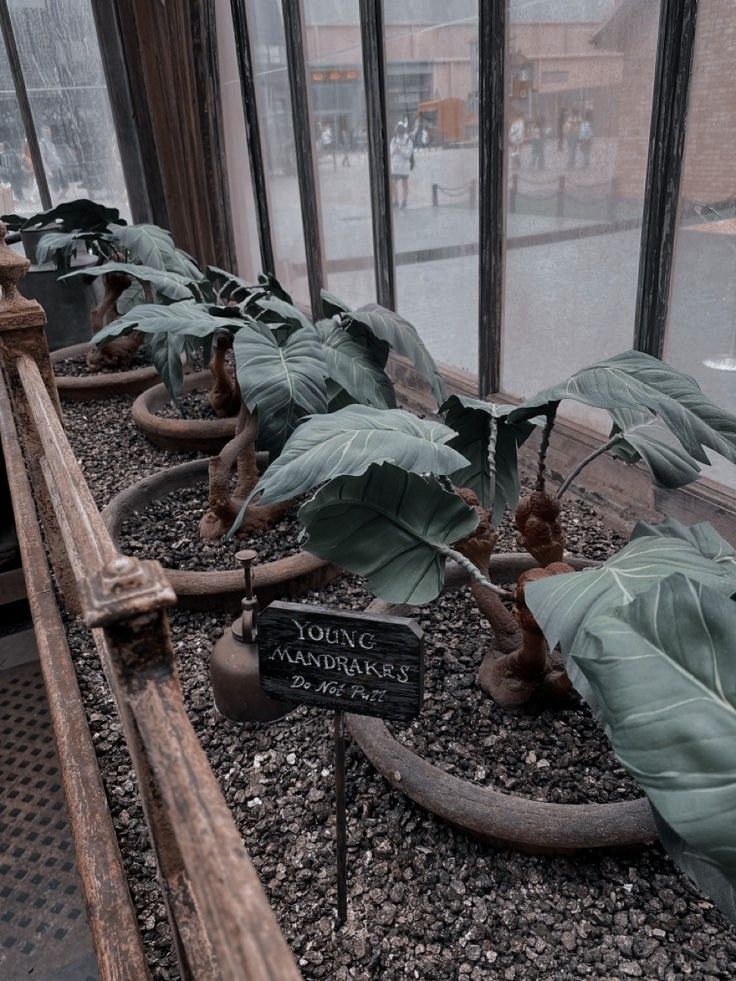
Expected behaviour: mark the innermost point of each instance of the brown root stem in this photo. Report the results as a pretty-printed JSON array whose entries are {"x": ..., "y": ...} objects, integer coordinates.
[
  {"x": 224, "y": 506},
  {"x": 224, "y": 396}
]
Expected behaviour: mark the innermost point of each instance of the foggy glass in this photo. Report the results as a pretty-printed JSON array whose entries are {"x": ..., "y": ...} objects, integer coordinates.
[
  {"x": 62, "y": 68},
  {"x": 268, "y": 47},
  {"x": 338, "y": 115},
  {"x": 432, "y": 101},
  {"x": 701, "y": 328},
  {"x": 578, "y": 104}
]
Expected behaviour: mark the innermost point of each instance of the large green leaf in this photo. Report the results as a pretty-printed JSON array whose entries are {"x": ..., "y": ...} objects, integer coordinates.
[
  {"x": 497, "y": 487},
  {"x": 332, "y": 305},
  {"x": 353, "y": 369},
  {"x": 282, "y": 312},
  {"x": 702, "y": 537},
  {"x": 402, "y": 336},
  {"x": 187, "y": 319},
  {"x": 347, "y": 442},
  {"x": 165, "y": 350},
  {"x": 562, "y": 604},
  {"x": 669, "y": 464},
  {"x": 635, "y": 381},
  {"x": 60, "y": 246},
  {"x": 148, "y": 244},
  {"x": 389, "y": 526},
  {"x": 283, "y": 384},
  {"x": 698, "y": 869},
  {"x": 170, "y": 285},
  {"x": 78, "y": 215},
  {"x": 664, "y": 676},
  {"x": 229, "y": 286}
]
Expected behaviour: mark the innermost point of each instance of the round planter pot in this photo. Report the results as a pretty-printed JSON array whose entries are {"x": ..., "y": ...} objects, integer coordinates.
[
  {"x": 496, "y": 818},
  {"x": 181, "y": 435},
  {"x": 101, "y": 385},
  {"x": 286, "y": 578}
]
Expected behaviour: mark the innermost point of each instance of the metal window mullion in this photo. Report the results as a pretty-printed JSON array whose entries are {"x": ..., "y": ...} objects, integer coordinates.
[
  {"x": 297, "y": 72},
  {"x": 127, "y": 125},
  {"x": 675, "y": 45},
  {"x": 24, "y": 105},
  {"x": 491, "y": 55},
  {"x": 374, "y": 77},
  {"x": 253, "y": 133}
]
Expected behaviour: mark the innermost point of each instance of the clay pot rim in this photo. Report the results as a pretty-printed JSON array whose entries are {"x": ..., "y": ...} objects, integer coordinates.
[
  {"x": 100, "y": 384},
  {"x": 494, "y": 817},
  {"x": 210, "y": 589},
  {"x": 204, "y": 435}
]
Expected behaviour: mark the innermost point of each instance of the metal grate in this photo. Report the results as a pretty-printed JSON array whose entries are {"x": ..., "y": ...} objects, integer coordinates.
[{"x": 43, "y": 928}]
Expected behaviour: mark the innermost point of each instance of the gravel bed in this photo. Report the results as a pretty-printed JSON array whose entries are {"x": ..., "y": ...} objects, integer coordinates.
[
  {"x": 425, "y": 901},
  {"x": 78, "y": 368},
  {"x": 192, "y": 405},
  {"x": 167, "y": 530},
  {"x": 559, "y": 756},
  {"x": 112, "y": 452}
]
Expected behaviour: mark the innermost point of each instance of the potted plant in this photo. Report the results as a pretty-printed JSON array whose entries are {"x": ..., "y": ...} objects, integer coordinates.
[
  {"x": 286, "y": 369},
  {"x": 69, "y": 232},
  {"x": 395, "y": 515},
  {"x": 137, "y": 262}
]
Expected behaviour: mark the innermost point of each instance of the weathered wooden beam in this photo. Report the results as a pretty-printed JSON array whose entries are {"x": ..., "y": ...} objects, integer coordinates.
[{"x": 110, "y": 913}]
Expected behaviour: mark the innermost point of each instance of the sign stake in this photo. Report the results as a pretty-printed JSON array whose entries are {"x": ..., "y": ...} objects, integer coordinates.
[{"x": 341, "y": 819}]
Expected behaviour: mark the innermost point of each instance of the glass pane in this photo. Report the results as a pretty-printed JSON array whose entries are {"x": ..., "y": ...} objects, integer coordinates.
[
  {"x": 578, "y": 106},
  {"x": 337, "y": 96},
  {"x": 62, "y": 67},
  {"x": 18, "y": 191},
  {"x": 242, "y": 204},
  {"x": 701, "y": 333},
  {"x": 432, "y": 106},
  {"x": 268, "y": 45}
]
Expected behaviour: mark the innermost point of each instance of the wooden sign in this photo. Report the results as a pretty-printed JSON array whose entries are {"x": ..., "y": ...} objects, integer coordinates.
[{"x": 367, "y": 664}]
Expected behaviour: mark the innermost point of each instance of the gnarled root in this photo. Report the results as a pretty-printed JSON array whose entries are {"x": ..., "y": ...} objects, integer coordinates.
[
  {"x": 540, "y": 530},
  {"x": 224, "y": 506},
  {"x": 530, "y": 672},
  {"x": 118, "y": 354},
  {"x": 478, "y": 547},
  {"x": 224, "y": 396}
]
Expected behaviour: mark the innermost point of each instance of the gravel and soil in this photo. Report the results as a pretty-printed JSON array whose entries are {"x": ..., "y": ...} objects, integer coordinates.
[
  {"x": 167, "y": 531},
  {"x": 425, "y": 901},
  {"x": 78, "y": 368},
  {"x": 192, "y": 405}
]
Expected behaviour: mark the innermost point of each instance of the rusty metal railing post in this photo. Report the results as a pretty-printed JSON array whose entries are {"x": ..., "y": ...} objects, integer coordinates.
[{"x": 22, "y": 332}]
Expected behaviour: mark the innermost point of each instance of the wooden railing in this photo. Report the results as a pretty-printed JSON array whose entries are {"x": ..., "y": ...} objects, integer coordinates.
[{"x": 221, "y": 921}]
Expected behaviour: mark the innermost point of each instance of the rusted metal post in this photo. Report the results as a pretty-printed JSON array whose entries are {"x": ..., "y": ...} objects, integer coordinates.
[{"x": 341, "y": 819}]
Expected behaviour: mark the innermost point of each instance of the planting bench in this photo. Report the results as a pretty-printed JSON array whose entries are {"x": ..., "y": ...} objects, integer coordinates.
[{"x": 221, "y": 922}]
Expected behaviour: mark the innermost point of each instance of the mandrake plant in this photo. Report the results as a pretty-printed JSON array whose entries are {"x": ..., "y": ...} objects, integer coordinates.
[
  {"x": 285, "y": 369},
  {"x": 646, "y": 638}
]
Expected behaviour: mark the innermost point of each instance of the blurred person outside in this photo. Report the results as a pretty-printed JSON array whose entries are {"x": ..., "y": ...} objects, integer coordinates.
[
  {"x": 516, "y": 141},
  {"x": 538, "y": 135},
  {"x": 402, "y": 163},
  {"x": 585, "y": 137},
  {"x": 573, "y": 138}
]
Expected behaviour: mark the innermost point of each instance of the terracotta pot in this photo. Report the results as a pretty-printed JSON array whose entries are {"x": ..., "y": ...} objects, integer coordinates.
[
  {"x": 101, "y": 385},
  {"x": 181, "y": 435},
  {"x": 500, "y": 819},
  {"x": 286, "y": 578}
]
